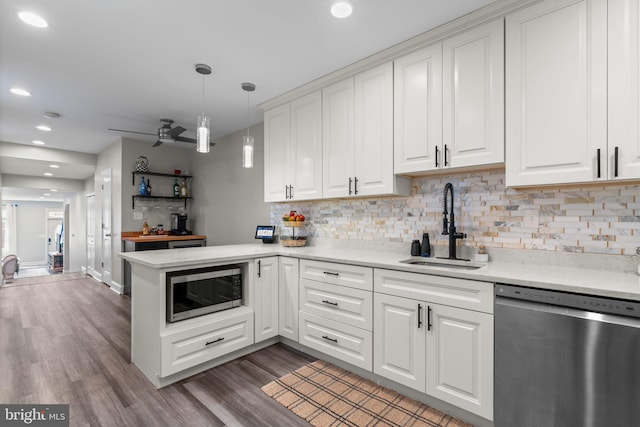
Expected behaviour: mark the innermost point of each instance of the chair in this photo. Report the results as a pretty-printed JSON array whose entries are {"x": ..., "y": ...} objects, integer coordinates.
[{"x": 10, "y": 266}]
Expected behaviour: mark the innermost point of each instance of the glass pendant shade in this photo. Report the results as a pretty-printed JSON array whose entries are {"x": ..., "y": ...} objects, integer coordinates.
[
  {"x": 202, "y": 126},
  {"x": 247, "y": 151}
]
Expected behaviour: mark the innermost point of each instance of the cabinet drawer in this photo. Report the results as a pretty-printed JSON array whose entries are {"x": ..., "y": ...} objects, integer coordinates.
[
  {"x": 344, "y": 342},
  {"x": 190, "y": 347},
  {"x": 351, "y": 306},
  {"x": 462, "y": 293},
  {"x": 352, "y": 276}
]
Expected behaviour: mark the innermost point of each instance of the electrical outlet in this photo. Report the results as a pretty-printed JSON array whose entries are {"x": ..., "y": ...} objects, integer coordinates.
[
  {"x": 137, "y": 215},
  {"x": 531, "y": 218}
]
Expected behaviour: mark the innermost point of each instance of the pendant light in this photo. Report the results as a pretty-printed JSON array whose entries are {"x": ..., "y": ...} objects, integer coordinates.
[
  {"x": 203, "y": 124},
  {"x": 247, "y": 140}
]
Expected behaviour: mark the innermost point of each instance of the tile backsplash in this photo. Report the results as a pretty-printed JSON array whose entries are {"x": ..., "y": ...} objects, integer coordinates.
[{"x": 597, "y": 219}]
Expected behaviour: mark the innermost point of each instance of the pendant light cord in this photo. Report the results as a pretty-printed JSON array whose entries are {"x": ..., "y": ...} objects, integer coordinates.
[
  {"x": 203, "y": 94},
  {"x": 248, "y": 115}
]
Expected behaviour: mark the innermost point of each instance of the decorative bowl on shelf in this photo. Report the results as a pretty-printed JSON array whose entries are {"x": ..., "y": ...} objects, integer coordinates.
[
  {"x": 142, "y": 164},
  {"x": 291, "y": 242}
]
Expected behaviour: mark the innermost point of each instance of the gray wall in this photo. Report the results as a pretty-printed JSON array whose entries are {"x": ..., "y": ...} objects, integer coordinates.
[{"x": 228, "y": 199}]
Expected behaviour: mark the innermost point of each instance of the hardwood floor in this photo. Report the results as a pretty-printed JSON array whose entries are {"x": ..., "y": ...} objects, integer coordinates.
[{"x": 66, "y": 339}]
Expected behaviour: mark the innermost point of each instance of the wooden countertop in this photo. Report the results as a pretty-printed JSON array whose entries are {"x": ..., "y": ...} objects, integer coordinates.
[{"x": 136, "y": 237}]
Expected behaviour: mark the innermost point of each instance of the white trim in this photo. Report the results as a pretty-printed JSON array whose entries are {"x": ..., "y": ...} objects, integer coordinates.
[{"x": 116, "y": 287}]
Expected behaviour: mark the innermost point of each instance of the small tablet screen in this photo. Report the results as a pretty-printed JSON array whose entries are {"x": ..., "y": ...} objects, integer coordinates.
[{"x": 265, "y": 231}]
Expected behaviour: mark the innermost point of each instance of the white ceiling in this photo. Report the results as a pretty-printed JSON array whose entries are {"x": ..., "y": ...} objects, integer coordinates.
[{"x": 123, "y": 64}]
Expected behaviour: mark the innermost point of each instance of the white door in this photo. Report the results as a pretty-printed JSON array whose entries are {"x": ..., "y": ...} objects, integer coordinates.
[
  {"x": 460, "y": 358},
  {"x": 306, "y": 147},
  {"x": 418, "y": 110},
  {"x": 106, "y": 227},
  {"x": 266, "y": 298},
  {"x": 91, "y": 238},
  {"x": 277, "y": 141},
  {"x": 399, "y": 340},
  {"x": 556, "y": 92},
  {"x": 337, "y": 139},
  {"x": 373, "y": 154},
  {"x": 624, "y": 89},
  {"x": 473, "y": 96},
  {"x": 288, "y": 297}
]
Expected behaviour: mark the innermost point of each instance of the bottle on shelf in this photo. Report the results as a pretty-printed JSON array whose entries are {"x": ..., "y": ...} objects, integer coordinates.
[
  {"x": 143, "y": 187},
  {"x": 148, "y": 187},
  {"x": 184, "y": 192},
  {"x": 145, "y": 228},
  {"x": 176, "y": 188}
]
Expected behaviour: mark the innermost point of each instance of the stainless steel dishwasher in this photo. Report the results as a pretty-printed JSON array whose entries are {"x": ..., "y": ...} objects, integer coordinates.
[{"x": 565, "y": 359}]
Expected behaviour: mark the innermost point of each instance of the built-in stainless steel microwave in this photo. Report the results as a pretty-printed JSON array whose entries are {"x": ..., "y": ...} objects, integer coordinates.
[{"x": 197, "y": 292}]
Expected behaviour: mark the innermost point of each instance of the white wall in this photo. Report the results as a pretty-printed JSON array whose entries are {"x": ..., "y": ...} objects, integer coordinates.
[{"x": 228, "y": 199}]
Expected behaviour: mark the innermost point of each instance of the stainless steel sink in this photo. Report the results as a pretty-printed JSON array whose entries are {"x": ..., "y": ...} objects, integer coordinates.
[{"x": 444, "y": 263}]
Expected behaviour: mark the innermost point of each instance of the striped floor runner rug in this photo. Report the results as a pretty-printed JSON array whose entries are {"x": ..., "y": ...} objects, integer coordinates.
[{"x": 326, "y": 395}]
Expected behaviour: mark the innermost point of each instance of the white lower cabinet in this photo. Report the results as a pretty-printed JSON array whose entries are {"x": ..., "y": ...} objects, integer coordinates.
[
  {"x": 189, "y": 347},
  {"x": 348, "y": 343},
  {"x": 288, "y": 298},
  {"x": 441, "y": 350},
  {"x": 266, "y": 298}
]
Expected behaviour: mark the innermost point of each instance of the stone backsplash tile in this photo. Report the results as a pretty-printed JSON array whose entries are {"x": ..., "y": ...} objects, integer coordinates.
[{"x": 598, "y": 219}]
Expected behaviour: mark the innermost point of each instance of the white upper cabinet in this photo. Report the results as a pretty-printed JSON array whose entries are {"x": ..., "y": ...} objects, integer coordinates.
[
  {"x": 556, "y": 93},
  {"x": 449, "y": 102},
  {"x": 624, "y": 89},
  {"x": 357, "y": 120},
  {"x": 473, "y": 97},
  {"x": 293, "y": 150},
  {"x": 417, "y": 109}
]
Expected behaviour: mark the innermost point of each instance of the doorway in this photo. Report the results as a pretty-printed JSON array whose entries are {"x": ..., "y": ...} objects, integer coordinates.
[
  {"x": 106, "y": 226},
  {"x": 91, "y": 237}
]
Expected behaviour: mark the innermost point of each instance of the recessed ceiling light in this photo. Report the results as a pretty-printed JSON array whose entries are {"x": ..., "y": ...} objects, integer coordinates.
[
  {"x": 33, "y": 19},
  {"x": 54, "y": 166},
  {"x": 38, "y": 142},
  {"x": 42, "y": 197},
  {"x": 43, "y": 128},
  {"x": 341, "y": 9},
  {"x": 46, "y": 194},
  {"x": 47, "y": 174},
  {"x": 20, "y": 91},
  {"x": 53, "y": 190}
]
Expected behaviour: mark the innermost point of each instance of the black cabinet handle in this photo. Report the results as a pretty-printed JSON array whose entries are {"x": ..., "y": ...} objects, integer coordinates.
[
  {"x": 214, "y": 341},
  {"x": 355, "y": 185},
  {"x": 615, "y": 162},
  {"x": 446, "y": 162},
  {"x": 350, "y": 180},
  {"x": 335, "y": 304},
  {"x": 331, "y": 273},
  {"x": 329, "y": 339},
  {"x": 429, "y": 318},
  {"x": 259, "y": 268},
  {"x": 598, "y": 162},
  {"x": 437, "y": 153},
  {"x": 419, "y": 316},
  {"x": 291, "y": 191},
  {"x": 286, "y": 191}
]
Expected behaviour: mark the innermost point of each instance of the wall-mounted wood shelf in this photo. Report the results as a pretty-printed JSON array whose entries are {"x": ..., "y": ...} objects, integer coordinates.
[
  {"x": 133, "y": 199},
  {"x": 168, "y": 175}
]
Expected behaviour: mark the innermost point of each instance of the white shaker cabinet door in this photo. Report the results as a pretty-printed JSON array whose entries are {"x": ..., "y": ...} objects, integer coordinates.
[
  {"x": 460, "y": 358},
  {"x": 266, "y": 298},
  {"x": 288, "y": 297},
  {"x": 306, "y": 147},
  {"x": 418, "y": 110},
  {"x": 624, "y": 89},
  {"x": 277, "y": 146},
  {"x": 399, "y": 340},
  {"x": 556, "y": 92},
  {"x": 473, "y": 96}
]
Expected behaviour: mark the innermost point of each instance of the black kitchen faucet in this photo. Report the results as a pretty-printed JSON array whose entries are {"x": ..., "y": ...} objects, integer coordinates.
[{"x": 450, "y": 224}]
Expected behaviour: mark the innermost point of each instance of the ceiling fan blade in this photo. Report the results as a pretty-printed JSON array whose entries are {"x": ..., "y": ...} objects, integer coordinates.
[
  {"x": 176, "y": 131},
  {"x": 158, "y": 142},
  {"x": 185, "y": 139},
  {"x": 133, "y": 131}
]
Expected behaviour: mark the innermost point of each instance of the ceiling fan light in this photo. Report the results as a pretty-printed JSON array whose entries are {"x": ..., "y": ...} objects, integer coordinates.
[
  {"x": 247, "y": 151},
  {"x": 202, "y": 131}
]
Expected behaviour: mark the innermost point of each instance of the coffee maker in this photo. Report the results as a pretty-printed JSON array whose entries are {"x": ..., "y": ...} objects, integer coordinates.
[{"x": 179, "y": 224}]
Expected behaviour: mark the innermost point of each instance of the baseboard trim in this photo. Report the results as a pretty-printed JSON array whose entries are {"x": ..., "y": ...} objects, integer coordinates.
[{"x": 116, "y": 287}]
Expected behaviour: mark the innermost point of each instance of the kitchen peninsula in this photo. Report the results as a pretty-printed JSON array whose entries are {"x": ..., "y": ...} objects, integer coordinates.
[{"x": 331, "y": 302}]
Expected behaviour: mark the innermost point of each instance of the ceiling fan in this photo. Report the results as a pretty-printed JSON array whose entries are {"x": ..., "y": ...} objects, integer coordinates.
[{"x": 165, "y": 133}]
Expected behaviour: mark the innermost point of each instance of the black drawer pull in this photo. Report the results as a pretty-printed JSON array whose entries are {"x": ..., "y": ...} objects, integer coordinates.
[
  {"x": 419, "y": 316},
  {"x": 429, "y": 318},
  {"x": 615, "y": 165},
  {"x": 330, "y": 273},
  {"x": 436, "y": 156},
  {"x": 214, "y": 341},
  {"x": 329, "y": 339},
  {"x": 355, "y": 185},
  {"x": 446, "y": 162},
  {"x": 259, "y": 269},
  {"x": 598, "y": 151},
  {"x": 350, "y": 181},
  {"x": 330, "y": 302}
]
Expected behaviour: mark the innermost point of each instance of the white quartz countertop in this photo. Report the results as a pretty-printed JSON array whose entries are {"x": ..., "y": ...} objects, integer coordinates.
[{"x": 561, "y": 278}]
